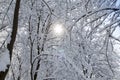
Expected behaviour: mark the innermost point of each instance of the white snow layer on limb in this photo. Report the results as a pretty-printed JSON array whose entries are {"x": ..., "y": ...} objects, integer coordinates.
[{"x": 4, "y": 59}]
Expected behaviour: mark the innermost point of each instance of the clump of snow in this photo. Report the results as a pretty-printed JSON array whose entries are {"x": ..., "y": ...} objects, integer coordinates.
[{"x": 4, "y": 59}]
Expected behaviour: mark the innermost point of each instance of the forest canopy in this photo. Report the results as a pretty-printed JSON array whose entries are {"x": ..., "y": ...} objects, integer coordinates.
[{"x": 59, "y": 39}]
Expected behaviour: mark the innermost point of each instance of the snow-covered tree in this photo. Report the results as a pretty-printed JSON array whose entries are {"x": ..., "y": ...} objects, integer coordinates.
[{"x": 59, "y": 39}]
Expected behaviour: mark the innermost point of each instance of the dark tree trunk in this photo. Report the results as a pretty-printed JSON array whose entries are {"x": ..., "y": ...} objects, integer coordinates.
[
  {"x": 38, "y": 50},
  {"x": 13, "y": 37},
  {"x": 14, "y": 28}
]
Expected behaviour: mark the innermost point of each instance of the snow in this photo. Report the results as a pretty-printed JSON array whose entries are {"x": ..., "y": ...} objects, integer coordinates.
[
  {"x": 118, "y": 3},
  {"x": 4, "y": 60},
  {"x": 116, "y": 33},
  {"x": 71, "y": 54}
]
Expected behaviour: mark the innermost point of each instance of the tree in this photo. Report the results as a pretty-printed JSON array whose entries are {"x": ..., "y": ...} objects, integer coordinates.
[
  {"x": 13, "y": 38},
  {"x": 62, "y": 39}
]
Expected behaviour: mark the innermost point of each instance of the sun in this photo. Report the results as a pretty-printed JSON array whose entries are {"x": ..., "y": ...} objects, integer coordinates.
[{"x": 58, "y": 29}]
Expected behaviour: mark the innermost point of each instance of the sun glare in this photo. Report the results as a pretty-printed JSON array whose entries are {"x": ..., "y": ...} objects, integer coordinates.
[{"x": 58, "y": 29}]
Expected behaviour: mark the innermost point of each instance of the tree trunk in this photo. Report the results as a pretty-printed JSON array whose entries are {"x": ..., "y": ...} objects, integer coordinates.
[{"x": 13, "y": 38}]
